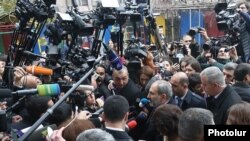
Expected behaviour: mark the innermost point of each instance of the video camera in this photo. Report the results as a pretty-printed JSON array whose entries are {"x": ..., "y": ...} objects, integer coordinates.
[
  {"x": 135, "y": 49},
  {"x": 193, "y": 31},
  {"x": 227, "y": 17}
]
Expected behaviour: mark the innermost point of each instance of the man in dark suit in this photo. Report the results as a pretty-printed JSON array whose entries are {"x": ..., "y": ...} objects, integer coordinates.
[
  {"x": 123, "y": 85},
  {"x": 116, "y": 111},
  {"x": 159, "y": 93},
  {"x": 220, "y": 96},
  {"x": 242, "y": 78},
  {"x": 183, "y": 97}
]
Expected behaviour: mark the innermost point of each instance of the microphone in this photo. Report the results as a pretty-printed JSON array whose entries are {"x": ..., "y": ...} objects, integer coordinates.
[
  {"x": 132, "y": 124},
  {"x": 41, "y": 90},
  {"x": 33, "y": 54},
  {"x": 144, "y": 102},
  {"x": 36, "y": 70},
  {"x": 85, "y": 87},
  {"x": 5, "y": 93},
  {"x": 97, "y": 113},
  {"x": 113, "y": 58}
]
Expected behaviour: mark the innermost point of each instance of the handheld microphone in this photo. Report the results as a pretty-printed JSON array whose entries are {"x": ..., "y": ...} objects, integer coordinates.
[
  {"x": 36, "y": 70},
  {"x": 132, "y": 124},
  {"x": 113, "y": 58},
  {"x": 97, "y": 113},
  {"x": 41, "y": 90},
  {"x": 144, "y": 102}
]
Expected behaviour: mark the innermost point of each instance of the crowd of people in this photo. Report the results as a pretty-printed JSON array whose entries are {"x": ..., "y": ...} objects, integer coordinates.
[{"x": 201, "y": 88}]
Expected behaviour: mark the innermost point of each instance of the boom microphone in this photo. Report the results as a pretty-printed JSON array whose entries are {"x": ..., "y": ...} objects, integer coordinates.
[
  {"x": 33, "y": 54},
  {"x": 5, "y": 93},
  {"x": 113, "y": 58},
  {"x": 41, "y": 90},
  {"x": 85, "y": 87},
  {"x": 36, "y": 70}
]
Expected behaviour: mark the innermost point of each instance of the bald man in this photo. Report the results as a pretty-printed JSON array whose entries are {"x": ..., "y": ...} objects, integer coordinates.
[
  {"x": 124, "y": 86},
  {"x": 183, "y": 97}
]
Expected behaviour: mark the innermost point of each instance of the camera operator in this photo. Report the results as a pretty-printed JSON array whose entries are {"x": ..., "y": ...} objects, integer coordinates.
[
  {"x": 100, "y": 80},
  {"x": 244, "y": 30},
  {"x": 190, "y": 45},
  {"x": 224, "y": 55}
]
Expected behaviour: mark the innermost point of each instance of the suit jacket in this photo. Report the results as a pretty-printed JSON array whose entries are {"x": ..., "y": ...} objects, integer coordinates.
[
  {"x": 220, "y": 105},
  {"x": 243, "y": 90},
  {"x": 130, "y": 92},
  {"x": 119, "y": 135},
  {"x": 191, "y": 100}
]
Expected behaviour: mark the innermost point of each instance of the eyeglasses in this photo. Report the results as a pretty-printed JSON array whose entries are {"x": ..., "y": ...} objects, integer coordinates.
[{"x": 188, "y": 41}]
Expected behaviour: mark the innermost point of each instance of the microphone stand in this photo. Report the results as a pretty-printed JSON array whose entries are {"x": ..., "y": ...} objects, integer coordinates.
[{"x": 50, "y": 110}]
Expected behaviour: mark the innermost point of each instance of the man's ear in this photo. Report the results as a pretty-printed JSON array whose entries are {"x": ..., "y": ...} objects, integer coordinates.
[
  {"x": 164, "y": 96},
  {"x": 126, "y": 117}
]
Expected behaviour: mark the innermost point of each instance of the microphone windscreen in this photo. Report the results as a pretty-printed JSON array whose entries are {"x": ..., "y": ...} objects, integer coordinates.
[
  {"x": 5, "y": 93},
  {"x": 132, "y": 124},
  {"x": 143, "y": 102},
  {"x": 85, "y": 87},
  {"x": 48, "y": 90},
  {"x": 36, "y": 70},
  {"x": 115, "y": 60}
]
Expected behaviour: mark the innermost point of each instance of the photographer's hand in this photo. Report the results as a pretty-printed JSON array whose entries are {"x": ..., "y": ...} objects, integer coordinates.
[
  {"x": 203, "y": 32},
  {"x": 3, "y": 105},
  {"x": 233, "y": 54},
  {"x": 84, "y": 115},
  {"x": 56, "y": 135},
  {"x": 16, "y": 118},
  {"x": 111, "y": 85}
]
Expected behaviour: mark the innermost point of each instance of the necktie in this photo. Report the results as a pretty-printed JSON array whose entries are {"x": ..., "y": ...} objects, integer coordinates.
[{"x": 179, "y": 101}]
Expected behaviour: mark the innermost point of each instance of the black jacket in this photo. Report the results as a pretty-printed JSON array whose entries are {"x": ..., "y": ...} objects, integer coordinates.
[
  {"x": 130, "y": 92},
  {"x": 191, "y": 100},
  {"x": 119, "y": 135},
  {"x": 220, "y": 105},
  {"x": 243, "y": 90}
]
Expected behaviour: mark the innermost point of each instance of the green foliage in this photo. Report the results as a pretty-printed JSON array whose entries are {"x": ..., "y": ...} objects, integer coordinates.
[{"x": 7, "y": 8}]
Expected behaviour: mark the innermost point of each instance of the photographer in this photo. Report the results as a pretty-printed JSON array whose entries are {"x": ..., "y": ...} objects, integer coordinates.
[
  {"x": 100, "y": 80},
  {"x": 244, "y": 30},
  {"x": 214, "y": 57}
]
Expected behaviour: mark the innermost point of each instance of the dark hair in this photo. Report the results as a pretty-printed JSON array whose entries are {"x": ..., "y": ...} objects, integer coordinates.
[
  {"x": 245, "y": 3},
  {"x": 194, "y": 64},
  {"x": 186, "y": 59},
  {"x": 241, "y": 71},
  {"x": 3, "y": 57},
  {"x": 166, "y": 119},
  {"x": 37, "y": 105},
  {"x": 102, "y": 66},
  {"x": 115, "y": 108},
  {"x": 194, "y": 79},
  {"x": 167, "y": 58},
  {"x": 61, "y": 114}
]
